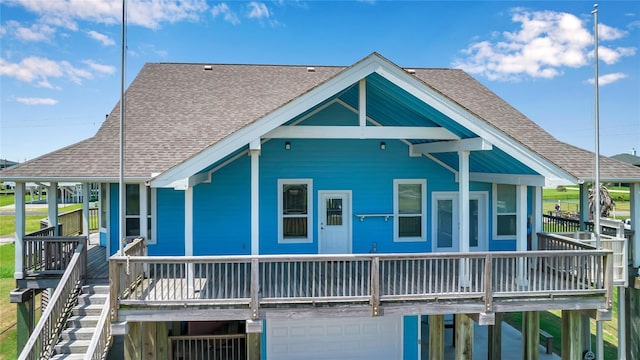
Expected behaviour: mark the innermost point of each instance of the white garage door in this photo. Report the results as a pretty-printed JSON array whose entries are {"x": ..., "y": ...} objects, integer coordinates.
[{"x": 341, "y": 338}]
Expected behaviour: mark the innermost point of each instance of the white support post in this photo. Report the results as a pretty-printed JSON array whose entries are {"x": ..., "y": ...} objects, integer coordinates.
[
  {"x": 521, "y": 231},
  {"x": 254, "y": 152},
  {"x": 362, "y": 102},
  {"x": 52, "y": 202},
  {"x": 144, "y": 230},
  {"x": 634, "y": 192},
  {"x": 536, "y": 221},
  {"x": 86, "y": 193},
  {"x": 188, "y": 235},
  {"x": 463, "y": 213},
  {"x": 19, "y": 195}
]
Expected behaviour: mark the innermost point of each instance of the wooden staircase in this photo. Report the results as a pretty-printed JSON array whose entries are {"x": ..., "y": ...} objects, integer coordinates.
[{"x": 81, "y": 325}]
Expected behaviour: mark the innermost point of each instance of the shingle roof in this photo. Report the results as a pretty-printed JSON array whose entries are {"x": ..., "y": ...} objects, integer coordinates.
[
  {"x": 175, "y": 111},
  {"x": 628, "y": 158}
]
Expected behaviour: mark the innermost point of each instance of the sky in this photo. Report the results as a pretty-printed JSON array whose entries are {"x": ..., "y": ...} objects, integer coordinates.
[{"x": 60, "y": 60}]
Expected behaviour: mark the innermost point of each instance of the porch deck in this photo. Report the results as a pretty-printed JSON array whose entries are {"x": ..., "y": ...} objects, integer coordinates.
[{"x": 253, "y": 286}]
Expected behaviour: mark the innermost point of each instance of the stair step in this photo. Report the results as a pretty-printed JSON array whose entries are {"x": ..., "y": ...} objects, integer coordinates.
[
  {"x": 68, "y": 357},
  {"x": 95, "y": 289},
  {"x": 72, "y": 347},
  {"x": 82, "y": 333},
  {"x": 88, "y": 299},
  {"x": 87, "y": 310},
  {"x": 83, "y": 321}
]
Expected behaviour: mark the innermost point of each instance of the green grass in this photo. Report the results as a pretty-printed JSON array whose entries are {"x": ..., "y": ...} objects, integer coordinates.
[
  {"x": 32, "y": 222},
  {"x": 7, "y": 309}
]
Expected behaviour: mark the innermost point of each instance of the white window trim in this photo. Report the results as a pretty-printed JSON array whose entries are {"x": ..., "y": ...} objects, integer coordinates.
[
  {"x": 104, "y": 207},
  {"x": 494, "y": 221},
  {"x": 309, "y": 238},
  {"x": 396, "y": 210},
  {"x": 151, "y": 240}
]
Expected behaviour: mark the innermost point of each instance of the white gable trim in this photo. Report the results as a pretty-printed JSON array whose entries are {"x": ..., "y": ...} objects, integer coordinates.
[
  {"x": 350, "y": 76},
  {"x": 361, "y": 132}
]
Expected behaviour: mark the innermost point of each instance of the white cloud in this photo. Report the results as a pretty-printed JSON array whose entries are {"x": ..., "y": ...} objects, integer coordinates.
[
  {"x": 608, "y": 33},
  {"x": 104, "y": 39},
  {"x": 145, "y": 13},
  {"x": 39, "y": 71},
  {"x": 608, "y": 78},
  {"x": 258, "y": 10},
  {"x": 227, "y": 14},
  {"x": 36, "y": 101},
  {"x": 34, "y": 33},
  {"x": 545, "y": 43},
  {"x": 105, "y": 69}
]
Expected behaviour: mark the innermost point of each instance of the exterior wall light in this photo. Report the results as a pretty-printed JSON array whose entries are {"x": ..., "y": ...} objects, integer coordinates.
[
  {"x": 287, "y": 146},
  {"x": 383, "y": 145}
]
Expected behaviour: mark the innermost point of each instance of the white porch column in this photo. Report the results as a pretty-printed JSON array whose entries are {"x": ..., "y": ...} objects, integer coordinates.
[
  {"x": 254, "y": 152},
  {"x": 144, "y": 201},
  {"x": 536, "y": 221},
  {"x": 19, "y": 195},
  {"x": 188, "y": 234},
  {"x": 85, "y": 209},
  {"x": 521, "y": 231},
  {"x": 463, "y": 213},
  {"x": 634, "y": 193},
  {"x": 52, "y": 202},
  {"x": 584, "y": 205}
]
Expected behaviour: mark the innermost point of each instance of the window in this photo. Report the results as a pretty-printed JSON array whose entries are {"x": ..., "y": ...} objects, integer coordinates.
[
  {"x": 505, "y": 212},
  {"x": 294, "y": 209},
  {"x": 409, "y": 210},
  {"x": 135, "y": 199},
  {"x": 104, "y": 200}
]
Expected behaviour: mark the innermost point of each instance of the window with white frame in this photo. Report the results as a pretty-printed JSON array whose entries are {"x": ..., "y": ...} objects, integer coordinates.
[
  {"x": 504, "y": 224},
  {"x": 139, "y": 204},
  {"x": 409, "y": 209},
  {"x": 104, "y": 201},
  {"x": 295, "y": 211}
]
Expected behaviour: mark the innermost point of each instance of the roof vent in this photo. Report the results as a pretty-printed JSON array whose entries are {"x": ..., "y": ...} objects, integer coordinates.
[
  {"x": 411, "y": 71},
  {"x": 311, "y": 69},
  {"x": 208, "y": 67}
]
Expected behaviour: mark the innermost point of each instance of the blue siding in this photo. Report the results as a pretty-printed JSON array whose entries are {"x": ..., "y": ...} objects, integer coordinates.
[
  {"x": 114, "y": 223},
  {"x": 222, "y": 211},
  {"x": 410, "y": 337},
  {"x": 103, "y": 239},
  {"x": 170, "y": 223}
]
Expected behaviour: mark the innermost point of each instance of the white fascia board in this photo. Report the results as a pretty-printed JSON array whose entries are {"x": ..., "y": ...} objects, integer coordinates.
[
  {"x": 266, "y": 124},
  {"x": 472, "y": 144},
  {"x": 511, "y": 179},
  {"x": 360, "y": 132},
  {"x": 454, "y": 111}
]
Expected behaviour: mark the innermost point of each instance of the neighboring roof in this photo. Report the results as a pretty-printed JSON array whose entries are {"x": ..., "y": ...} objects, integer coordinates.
[
  {"x": 4, "y": 163},
  {"x": 628, "y": 158},
  {"x": 175, "y": 112}
]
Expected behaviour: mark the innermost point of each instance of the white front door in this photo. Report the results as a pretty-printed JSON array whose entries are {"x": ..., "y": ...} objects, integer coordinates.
[
  {"x": 334, "y": 222},
  {"x": 445, "y": 220}
]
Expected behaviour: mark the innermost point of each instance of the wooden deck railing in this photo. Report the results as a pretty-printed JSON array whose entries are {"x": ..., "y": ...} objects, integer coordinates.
[
  {"x": 228, "y": 347},
  {"x": 48, "y": 255},
  {"x": 271, "y": 281},
  {"x": 45, "y": 335},
  {"x": 586, "y": 240}
]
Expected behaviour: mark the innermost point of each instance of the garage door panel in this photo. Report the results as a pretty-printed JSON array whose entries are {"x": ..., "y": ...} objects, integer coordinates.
[{"x": 343, "y": 338}]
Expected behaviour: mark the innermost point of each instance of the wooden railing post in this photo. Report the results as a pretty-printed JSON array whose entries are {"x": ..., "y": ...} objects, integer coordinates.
[
  {"x": 608, "y": 279},
  {"x": 488, "y": 285},
  {"x": 255, "y": 288},
  {"x": 83, "y": 241},
  {"x": 114, "y": 288},
  {"x": 375, "y": 286}
]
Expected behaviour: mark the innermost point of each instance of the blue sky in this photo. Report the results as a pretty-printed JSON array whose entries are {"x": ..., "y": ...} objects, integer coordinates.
[{"x": 60, "y": 59}]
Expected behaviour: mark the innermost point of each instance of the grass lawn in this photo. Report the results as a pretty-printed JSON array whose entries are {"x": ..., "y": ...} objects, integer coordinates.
[
  {"x": 7, "y": 309},
  {"x": 32, "y": 222}
]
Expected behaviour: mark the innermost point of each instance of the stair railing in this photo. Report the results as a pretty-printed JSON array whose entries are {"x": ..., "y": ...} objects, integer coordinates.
[
  {"x": 47, "y": 332},
  {"x": 101, "y": 339}
]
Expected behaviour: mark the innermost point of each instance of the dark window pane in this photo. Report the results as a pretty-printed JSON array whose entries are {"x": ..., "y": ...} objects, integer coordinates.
[
  {"x": 294, "y": 227},
  {"x": 149, "y": 228},
  {"x": 133, "y": 226},
  {"x": 506, "y": 224},
  {"x": 410, "y": 226},
  {"x": 294, "y": 199},
  {"x": 334, "y": 211},
  {"x": 133, "y": 199}
]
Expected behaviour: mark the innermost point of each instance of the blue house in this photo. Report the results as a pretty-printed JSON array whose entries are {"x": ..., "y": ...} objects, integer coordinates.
[{"x": 330, "y": 212}]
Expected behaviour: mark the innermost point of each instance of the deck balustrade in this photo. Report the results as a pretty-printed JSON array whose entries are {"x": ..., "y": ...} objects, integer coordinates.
[
  {"x": 50, "y": 255},
  {"x": 265, "y": 281}
]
